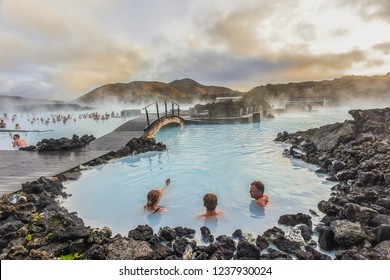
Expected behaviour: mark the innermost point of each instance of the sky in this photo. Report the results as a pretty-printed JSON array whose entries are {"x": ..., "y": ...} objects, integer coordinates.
[{"x": 62, "y": 49}]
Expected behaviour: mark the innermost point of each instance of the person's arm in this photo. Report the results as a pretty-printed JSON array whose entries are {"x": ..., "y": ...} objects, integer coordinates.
[{"x": 167, "y": 183}]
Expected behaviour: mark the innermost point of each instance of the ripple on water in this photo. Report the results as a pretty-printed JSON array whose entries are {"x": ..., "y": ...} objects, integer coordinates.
[{"x": 220, "y": 159}]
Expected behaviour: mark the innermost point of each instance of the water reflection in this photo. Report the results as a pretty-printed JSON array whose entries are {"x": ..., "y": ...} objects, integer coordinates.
[
  {"x": 211, "y": 223},
  {"x": 256, "y": 211},
  {"x": 154, "y": 219}
]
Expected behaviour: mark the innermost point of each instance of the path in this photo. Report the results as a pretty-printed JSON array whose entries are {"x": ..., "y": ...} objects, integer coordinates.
[{"x": 17, "y": 167}]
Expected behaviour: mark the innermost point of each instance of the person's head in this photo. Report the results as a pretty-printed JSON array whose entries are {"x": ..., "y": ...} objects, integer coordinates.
[
  {"x": 153, "y": 198},
  {"x": 16, "y": 136},
  {"x": 168, "y": 181},
  {"x": 210, "y": 201},
  {"x": 256, "y": 189}
]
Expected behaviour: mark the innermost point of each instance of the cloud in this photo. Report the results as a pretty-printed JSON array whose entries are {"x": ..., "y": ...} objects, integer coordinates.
[
  {"x": 339, "y": 32},
  {"x": 305, "y": 30},
  {"x": 383, "y": 47},
  {"x": 245, "y": 30},
  {"x": 371, "y": 9},
  {"x": 321, "y": 66},
  {"x": 64, "y": 49},
  {"x": 63, "y": 46},
  {"x": 218, "y": 68}
]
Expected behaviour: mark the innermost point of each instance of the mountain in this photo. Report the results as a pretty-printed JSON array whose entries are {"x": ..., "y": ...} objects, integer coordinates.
[
  {"x": 6, "y": 100},
  {"x": 22, "y": 104},
  {"x": 137, "y": 92},
  {"x": 340, "y": 90}
]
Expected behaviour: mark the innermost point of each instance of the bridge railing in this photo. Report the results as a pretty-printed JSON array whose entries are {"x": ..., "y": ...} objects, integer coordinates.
[{"x": 156, "y": 110}]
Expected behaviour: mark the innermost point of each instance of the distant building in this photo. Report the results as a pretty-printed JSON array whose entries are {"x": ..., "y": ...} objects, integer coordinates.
[{"x": 228, "y": 98}]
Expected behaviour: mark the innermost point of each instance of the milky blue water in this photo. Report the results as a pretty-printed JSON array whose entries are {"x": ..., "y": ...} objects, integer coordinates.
[
  {"x": 220, "y": 159},
  {"x": 75, "y": 125}
]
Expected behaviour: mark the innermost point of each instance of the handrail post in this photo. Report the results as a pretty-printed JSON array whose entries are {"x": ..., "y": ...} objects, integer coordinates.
[
  {"x": 166, "y": 109},
  {"x": 147, "y": 116},
  {"x": 178, "y": 110},
  {"x": 158, "y": 114},
  {"x": 173, "y": 109}
]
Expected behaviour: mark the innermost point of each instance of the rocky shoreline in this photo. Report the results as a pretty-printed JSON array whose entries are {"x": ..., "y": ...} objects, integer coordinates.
[
  {"x": 33, "y": 225},
  {"x": 62, "y": 144},
  {"x": 356, "y": 155}
]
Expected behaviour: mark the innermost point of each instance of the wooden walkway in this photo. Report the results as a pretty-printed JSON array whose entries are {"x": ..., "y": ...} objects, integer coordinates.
[{"x": 17, "y": 167}]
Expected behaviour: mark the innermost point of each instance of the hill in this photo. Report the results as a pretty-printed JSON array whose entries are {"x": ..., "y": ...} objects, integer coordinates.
[
  {"x": 22, "y": 104},
  {"x": 138, "y": 92},
  {"x": 340, "y": 90}
]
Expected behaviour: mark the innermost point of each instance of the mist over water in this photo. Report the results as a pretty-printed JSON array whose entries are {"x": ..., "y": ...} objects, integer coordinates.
[
  {"x": 39, "y": 130},
  {"x": 221, "y": 159}
]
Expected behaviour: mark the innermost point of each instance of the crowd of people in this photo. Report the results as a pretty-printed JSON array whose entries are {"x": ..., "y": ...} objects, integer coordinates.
[
  {"x": 210, "y": 200},
  {"x": 33, "y": 118}
]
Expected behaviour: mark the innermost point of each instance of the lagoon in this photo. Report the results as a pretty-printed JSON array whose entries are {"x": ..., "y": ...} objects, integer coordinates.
[{"x": 220, "y": 159}]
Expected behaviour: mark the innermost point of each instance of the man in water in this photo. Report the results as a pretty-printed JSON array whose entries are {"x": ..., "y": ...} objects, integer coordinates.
[
  {"x": 18, "y": 142},
  {"x": 257, "y": 192},
  {"x": 210, "y": 201}
]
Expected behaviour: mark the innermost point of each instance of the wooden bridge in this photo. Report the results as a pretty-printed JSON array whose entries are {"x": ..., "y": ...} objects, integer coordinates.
[
  {"x": 158, "y": 119},
  {"x": 18, "y": 167}
]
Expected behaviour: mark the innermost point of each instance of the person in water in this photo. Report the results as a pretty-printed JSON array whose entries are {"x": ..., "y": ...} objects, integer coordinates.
[
  {"x": 154, "y": 197},
  {"x": 210, "y": 201},
  {"x": 17, "y": 126},
  {"x": 257, "y": 192},
  {"x": 18, "y": 142}
]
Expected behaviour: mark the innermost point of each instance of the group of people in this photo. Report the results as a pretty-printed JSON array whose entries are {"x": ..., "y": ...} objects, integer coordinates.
[{"x": 210, "y": 200}]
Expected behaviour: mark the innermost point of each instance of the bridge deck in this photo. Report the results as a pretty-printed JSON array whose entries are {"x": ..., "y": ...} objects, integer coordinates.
[{"x": 17, "y": 167}]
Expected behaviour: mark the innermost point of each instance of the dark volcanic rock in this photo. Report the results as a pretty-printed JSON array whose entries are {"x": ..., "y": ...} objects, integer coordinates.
[
  {"x": 129, "y": 249},
  {"x": 356, "y": 154},
  {"x": 167, "y": 233},
  {"x": 247, "y": 250},
  {"x": 295, "y": 219},
  {"x": 347, "y": 233},
  {"x": 261, "y": 242},
  {"x": 206, "y": 234},
  {"x": 143, "y": 233},
  {"x": 184, "y": 232}
]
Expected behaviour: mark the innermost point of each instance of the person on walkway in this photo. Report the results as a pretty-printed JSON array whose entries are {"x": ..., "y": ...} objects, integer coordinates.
[
  {"x": 154, "y": 197},
  {"x": 257, "y": 192},
  {"x": 18, "y": 142},
  {"x": 210, "y": 201}
]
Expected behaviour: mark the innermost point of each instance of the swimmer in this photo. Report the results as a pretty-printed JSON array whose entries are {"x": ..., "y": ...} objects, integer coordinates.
[
  {"x": 257, "y": 192},
  {"x": 154, "y": 197},
  {"x": 210, "y": 201},
  {"x": 18, "y": 142}
]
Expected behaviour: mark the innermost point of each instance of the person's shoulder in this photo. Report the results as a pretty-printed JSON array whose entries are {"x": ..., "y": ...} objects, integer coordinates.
[
  {"x": 220, "y": 213},
  {"x": 262, "y": 201}
]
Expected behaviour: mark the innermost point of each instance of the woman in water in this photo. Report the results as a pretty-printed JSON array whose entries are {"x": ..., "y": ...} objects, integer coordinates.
[{"x": 153, "y": 199}]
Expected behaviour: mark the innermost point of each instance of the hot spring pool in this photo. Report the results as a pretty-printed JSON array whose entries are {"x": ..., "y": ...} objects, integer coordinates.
[
  {"x": 220, "y": 159},
  {"x": 58, "y": 129}
]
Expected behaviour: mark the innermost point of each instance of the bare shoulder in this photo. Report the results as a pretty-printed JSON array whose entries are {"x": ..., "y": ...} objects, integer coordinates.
[{"x": 262, "y": 201}]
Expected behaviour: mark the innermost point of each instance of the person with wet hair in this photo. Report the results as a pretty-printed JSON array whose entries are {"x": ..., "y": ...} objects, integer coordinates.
[
  {"x": 18, "y": 142},
  {"x": 153, "y": 199},
  {"x": 256, "y": 191},
  {"x": 210, "y": 202}
]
